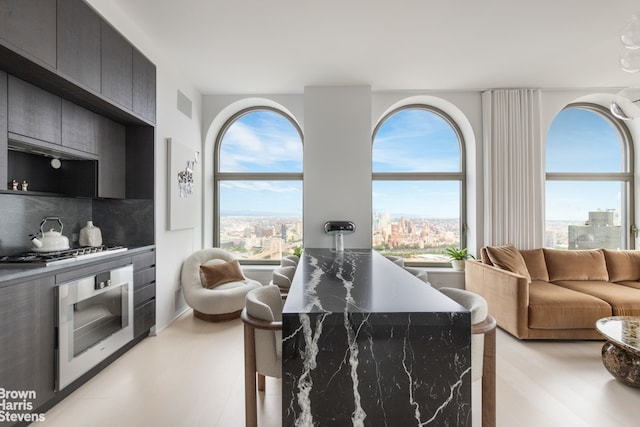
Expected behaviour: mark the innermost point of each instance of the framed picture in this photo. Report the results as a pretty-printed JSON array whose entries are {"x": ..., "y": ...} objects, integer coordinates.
[{"x": 183, "y": 185}]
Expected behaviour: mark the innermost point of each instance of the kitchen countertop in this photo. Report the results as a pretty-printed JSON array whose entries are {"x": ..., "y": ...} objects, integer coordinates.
[
  {"x": 367, "y": 343},
  {"x": 375, "y": 286},
  {"x": 10, "y": 275}
]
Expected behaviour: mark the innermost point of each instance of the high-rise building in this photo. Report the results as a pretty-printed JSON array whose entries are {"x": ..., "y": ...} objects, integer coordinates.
[{"x": 600, "y": 231}]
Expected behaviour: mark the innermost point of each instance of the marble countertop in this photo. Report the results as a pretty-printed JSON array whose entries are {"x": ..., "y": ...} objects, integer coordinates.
[{"x": 360, "y": 281}]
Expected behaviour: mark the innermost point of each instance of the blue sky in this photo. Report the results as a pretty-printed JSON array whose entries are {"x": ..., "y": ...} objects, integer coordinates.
[
  {"x": 581, "y": 140},
  {"x": 417, "y": 141},
  {"x": 261, "y": 141}
]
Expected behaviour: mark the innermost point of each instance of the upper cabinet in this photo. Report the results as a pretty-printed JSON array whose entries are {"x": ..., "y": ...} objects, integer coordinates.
[
  {"x": 33, "y": 112},
  {"x": 79, "y": 43},
  {"x": 117, "y": 67},
  {"x": 66, "y": 48},
  {"x": 80, "y": 128},
  {"x": 144, "y": 87},
  {"x": 3, "y": 129},
  {"x": 30, "y": 26}
]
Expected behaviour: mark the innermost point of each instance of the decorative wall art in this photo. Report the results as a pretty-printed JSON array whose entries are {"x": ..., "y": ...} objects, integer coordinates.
[{"x": 183, "y": 185}]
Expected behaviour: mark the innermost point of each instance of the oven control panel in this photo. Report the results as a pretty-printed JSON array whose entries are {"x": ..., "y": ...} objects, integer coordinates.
[{"x": 103, "y": 280}]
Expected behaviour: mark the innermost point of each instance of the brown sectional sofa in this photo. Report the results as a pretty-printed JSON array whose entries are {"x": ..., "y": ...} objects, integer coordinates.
[{"x": 555, "y": 294}]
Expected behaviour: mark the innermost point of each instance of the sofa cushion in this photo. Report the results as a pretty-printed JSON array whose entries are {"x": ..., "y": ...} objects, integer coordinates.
[
  {"x": 622, "y": 265},
  {"x": 555, "y": 307},
  {"x": 630, "y": 283},
  {"x": 534, "y": 259},
  {"x": 576, "y": 265},
  {"x": 624, "y": 300},
  {"x": 508, "y": 258}
]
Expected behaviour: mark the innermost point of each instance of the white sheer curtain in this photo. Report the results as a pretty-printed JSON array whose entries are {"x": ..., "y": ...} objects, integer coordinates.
[{"x": 514, "y": 168}]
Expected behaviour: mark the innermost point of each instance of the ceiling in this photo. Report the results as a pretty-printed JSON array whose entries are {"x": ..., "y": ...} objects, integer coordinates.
[{"x": 281, "y": 46}]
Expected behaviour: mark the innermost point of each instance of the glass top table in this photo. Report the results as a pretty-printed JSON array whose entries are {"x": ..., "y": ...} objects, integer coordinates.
[
  {"x": 621, "y": 352},
  {"x": 621, "y": 330}
]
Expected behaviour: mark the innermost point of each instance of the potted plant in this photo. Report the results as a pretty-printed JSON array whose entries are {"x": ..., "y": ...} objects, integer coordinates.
[{"x": 458, "y": 257}]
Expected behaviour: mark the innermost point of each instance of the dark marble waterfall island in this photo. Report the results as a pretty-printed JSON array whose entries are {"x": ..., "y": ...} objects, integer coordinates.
[{"x": 366, "y": 343}]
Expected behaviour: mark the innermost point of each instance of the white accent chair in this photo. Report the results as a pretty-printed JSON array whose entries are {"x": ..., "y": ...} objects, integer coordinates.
[
  {"x": 224, "y": 302},
  {"x": 262, "y": 319},
  {"x": 483, "y": 348}
]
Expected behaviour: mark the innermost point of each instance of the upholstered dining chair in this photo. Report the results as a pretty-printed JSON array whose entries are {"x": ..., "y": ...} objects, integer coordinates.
[
  {"x": 262, "y": 317},
  {"x": 289, "y": 261},
  {"x": 419, "y": 273},
  {"x": 282, "y": 277},
  {"x": 483, "y": 348},
  {"x": 214, "y": 285},
  {"x": 396, "y": 259}
]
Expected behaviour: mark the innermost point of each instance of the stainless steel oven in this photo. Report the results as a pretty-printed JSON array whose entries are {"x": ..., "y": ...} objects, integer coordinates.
[{"x": 95, "y": 319}]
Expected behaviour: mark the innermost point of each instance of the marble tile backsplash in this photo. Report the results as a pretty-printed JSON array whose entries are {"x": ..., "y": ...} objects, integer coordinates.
[{"x": 123, "y": 222}]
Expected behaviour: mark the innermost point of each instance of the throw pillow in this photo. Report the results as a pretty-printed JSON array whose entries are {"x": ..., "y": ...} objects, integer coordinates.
[
  {"x": 585, "y": 264},
  {"x": 622, "y": 265},
  {"x": 217, "y": 274},
  {"x": 508, "y": 258},
  {"x": 534, "y": 260}
]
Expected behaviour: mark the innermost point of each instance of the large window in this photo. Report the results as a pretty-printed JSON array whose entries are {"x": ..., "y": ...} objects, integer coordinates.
[
  {"x": 258, "y": 185},
  {"x": 418, "y": 185},
  {"x": 589, "y": 187}
]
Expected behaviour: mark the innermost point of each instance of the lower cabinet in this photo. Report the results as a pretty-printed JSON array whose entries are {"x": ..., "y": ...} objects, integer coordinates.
[
  {"x": 144, "y": 296},
  {"x": 28, "y": 313},
  {"x": 27, "y": 340}
]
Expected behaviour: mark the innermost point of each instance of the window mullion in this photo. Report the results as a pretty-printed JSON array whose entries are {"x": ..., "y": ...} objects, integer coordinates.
[
  {"x": 581, "y": 176},
  {"x": 417, "y": 176}
]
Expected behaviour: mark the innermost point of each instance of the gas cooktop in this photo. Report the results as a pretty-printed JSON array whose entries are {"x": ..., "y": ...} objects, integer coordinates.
[{"x": 44, "y": 259}]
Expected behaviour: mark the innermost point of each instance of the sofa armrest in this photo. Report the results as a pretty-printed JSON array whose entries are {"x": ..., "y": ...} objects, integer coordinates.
[{"x": 506, "y": 293}]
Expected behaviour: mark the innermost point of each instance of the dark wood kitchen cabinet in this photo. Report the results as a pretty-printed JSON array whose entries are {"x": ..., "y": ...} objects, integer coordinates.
[
  {"x": 144, "y": 296},
  {"x": 144, "y": 87},
  {"x": 30, "y": 26},
  {"x": 80, "y": 128},
  {"x": 79, "y": 43},
  {"x": 33, "y": 112},
  {"x": 27, "y": 338},
  {"x": 117, "y": 67},
  {"x": 4, "y": 154},
  {"x": 112, "y": 159}
]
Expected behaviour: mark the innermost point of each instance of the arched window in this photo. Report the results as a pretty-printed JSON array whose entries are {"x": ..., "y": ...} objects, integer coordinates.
[
  {"x": 418, "y": 185},
  {"x": 258, "y": 185},
  {"x": 589, "y": 174}
]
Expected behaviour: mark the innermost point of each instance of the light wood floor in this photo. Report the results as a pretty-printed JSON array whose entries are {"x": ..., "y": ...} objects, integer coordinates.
[{"x": 191, "y": 374}]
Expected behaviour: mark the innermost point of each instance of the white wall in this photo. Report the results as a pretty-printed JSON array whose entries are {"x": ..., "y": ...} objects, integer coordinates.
[
  {"x": 337, "y": 163},
  {"x": 172, "y": 246}
]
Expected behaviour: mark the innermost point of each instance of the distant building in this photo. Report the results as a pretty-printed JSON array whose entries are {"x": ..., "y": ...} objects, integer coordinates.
[{"x": 600, "y": 231}]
